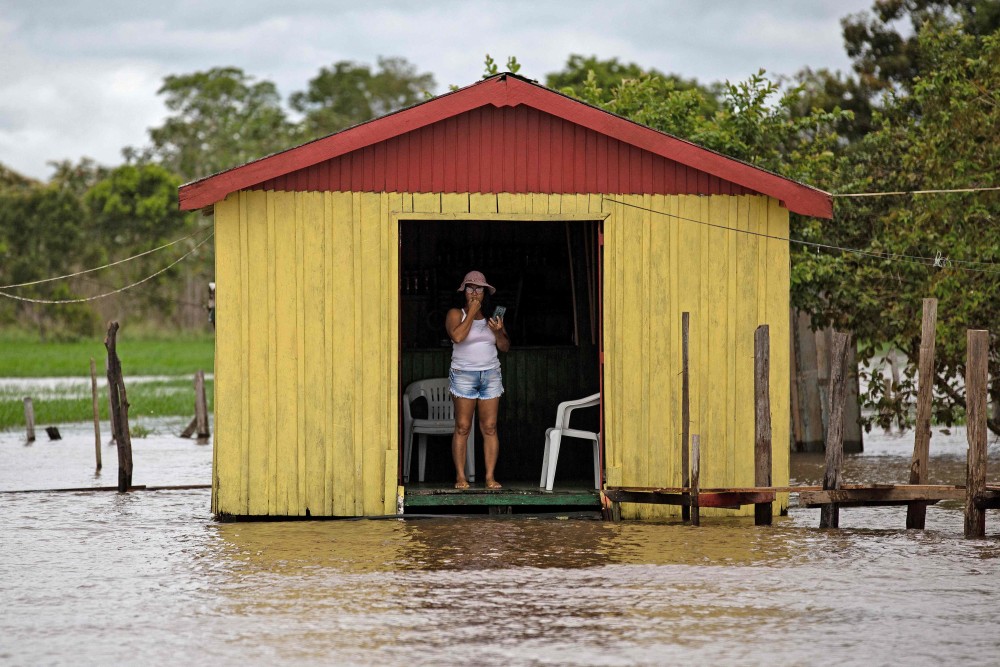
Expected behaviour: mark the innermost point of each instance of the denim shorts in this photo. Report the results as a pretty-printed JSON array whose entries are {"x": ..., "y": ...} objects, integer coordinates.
[{"x": 476, "y": 384}]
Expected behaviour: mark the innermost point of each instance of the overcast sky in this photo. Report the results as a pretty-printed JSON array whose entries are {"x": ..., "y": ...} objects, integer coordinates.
[{"x": 79, "y": 77}]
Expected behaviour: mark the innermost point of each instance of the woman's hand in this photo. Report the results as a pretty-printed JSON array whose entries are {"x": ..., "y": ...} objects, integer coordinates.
[
  {"x": 496, "y": 326},
  {"x": 475, "y": 305}
]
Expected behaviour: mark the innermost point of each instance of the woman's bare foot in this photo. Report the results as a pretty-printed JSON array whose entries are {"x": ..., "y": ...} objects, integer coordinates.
[
  {"x": 461, "y": 484},
  {"x": 493, "y": 484}
]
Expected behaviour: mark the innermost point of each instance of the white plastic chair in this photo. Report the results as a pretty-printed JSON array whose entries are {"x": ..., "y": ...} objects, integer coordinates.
[
  {"x": 554, "y": 436},
  {"x": 440, "y": 421}
]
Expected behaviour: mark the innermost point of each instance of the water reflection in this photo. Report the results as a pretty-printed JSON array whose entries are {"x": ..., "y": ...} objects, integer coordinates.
[
  {"x": 472, "y": 544},
  {"x": 97, "y": 578}
]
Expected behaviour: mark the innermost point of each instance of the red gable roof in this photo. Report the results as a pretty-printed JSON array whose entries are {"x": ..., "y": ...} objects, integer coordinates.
[{"x": 478, "y": 139}]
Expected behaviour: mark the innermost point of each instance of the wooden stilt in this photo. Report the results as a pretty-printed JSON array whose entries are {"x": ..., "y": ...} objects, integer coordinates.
[
  {"x": 119, "y": 407},
  {"x": 810, "y": 409},
  {"x": 830, "y": 514},
  {"x": 916, "y": 513},
  {"x": 762, "y": 420},
  {"x": 695, "y": 485},
  {"x": 201, "y": 408},
  {"x": 685, "y": 410},
  {"x": 29, "y": 418},
  {"x": 190, "y": 428},
  {"x": 975, "y": 415},
  {"x": 112, "y": 417},
  {"x": 97, "y": 412},
  {"x": 795, "y": 432}
]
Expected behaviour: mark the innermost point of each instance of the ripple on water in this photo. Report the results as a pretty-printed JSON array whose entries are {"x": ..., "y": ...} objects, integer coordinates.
[{"x": 99, "y": 577}]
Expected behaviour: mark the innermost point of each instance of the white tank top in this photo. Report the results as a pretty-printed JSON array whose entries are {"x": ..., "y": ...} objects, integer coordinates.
[{"x": 478, "y": 352}]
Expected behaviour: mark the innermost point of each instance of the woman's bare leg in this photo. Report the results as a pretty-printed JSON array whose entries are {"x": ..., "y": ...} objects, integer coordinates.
[
  {"x": 488, "y": 409},
  {"x": 464, "y": 409}
]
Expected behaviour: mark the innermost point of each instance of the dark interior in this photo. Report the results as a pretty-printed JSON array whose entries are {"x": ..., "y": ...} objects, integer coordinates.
[{"x": 546, "y": 276}]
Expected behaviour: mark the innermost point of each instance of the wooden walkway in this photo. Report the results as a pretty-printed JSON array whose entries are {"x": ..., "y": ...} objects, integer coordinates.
[{"x": 848, "y": 495}]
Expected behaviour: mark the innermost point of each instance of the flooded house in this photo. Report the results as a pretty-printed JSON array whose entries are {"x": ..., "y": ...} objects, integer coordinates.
[{"x": 337, "y": 260}]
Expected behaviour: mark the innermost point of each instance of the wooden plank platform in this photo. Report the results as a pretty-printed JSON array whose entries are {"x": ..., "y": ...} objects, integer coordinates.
[
  {"x": 511, "y": 495},
  {"x": 849, "y": 495},
  {"x": 874, "y": 496},
  {"x": 728, "y": 498}
]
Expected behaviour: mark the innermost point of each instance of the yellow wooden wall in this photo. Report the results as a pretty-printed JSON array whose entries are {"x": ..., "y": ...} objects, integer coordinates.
[
  {"x": 306, "y": 392},
  {"x": 657, "y": 267}
]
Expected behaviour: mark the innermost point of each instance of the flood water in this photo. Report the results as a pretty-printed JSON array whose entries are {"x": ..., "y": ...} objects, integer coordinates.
[{"x": 95, "y": 578}]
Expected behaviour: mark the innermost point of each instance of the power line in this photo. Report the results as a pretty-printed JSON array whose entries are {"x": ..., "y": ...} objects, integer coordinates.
[
  {"x": 938, "y": 261},
  {"x": 914, "y": 192},
  {"x": 121, "y": 289},
  {"x": 106, "y": 266}
]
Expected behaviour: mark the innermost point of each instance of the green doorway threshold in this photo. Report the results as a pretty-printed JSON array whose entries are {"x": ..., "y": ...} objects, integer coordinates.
[{"x": 516, "y": 494}]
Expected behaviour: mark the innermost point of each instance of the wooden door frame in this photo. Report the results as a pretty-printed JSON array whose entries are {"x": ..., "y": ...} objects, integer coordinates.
[{"x": 396, "y": 218}]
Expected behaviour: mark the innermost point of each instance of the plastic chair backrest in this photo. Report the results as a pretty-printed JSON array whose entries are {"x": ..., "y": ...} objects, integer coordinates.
[
  {"x": 435, "y": 391},
  {"x": 566, "y": 408}
]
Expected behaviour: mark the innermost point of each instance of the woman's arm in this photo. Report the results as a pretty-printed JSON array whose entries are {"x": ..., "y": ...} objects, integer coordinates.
[
  {"x": 458, "y": 329},
  {"x": 503, "y": 340}
]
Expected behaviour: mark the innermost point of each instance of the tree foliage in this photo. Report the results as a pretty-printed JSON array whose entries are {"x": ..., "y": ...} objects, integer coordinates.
[
  {"x": 940, "y": 135},
  {"x": 40, "y": 230},
  {"x": 349, "y": 93},
  {"x": 219, "y": 119}
]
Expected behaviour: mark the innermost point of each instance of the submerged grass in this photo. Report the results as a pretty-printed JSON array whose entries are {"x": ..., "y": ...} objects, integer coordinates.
[
  {"x": 22, "y": 357},
  {"x": 73, "y": 403}
]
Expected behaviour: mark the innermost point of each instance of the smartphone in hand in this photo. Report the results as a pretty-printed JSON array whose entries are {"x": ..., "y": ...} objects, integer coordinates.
[{"x": 498, "y": 312}]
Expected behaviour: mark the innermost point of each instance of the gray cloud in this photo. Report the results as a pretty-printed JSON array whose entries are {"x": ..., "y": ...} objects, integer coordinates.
[{"x": 79, "y": 77}]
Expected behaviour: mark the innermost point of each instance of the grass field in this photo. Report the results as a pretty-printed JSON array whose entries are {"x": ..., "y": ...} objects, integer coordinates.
[
  {"x": 65, "y": 404},
  {"x": 22, "y": 358},
  {"x": 59, "y": 403}
]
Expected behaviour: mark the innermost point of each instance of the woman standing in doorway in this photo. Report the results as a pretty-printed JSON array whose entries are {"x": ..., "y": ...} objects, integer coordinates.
[{"x": 475, "y": 375}]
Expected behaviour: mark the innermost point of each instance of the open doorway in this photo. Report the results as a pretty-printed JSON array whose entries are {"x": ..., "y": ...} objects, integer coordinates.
[{"x": 546, "y": 275}]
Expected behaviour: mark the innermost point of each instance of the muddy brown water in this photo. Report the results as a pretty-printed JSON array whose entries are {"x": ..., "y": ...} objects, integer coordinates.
[{"x": 97, "y": 578}]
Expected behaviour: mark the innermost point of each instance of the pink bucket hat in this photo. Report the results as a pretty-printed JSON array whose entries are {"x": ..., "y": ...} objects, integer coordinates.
[{"x": 476, "y": 278}]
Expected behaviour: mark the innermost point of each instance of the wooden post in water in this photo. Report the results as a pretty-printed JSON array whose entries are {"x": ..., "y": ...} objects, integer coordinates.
[
  {"x": 762, "y": 419},
  {"x": 201, "y": 408},
  {"x": 112, "y": 417},
  {"x": 29, "y": 418},
  {"x": 830, "y": 514},
  {"x": 916, "y": 513},
  {"x": 695, "y": 481},
  {"x": 810, "y": 410},
  {"x": 975, "y": 415},
  {"x": 97, "y": 413},
  {"x": 685, "y": 411},
  {"x": 119, "y": 408}
]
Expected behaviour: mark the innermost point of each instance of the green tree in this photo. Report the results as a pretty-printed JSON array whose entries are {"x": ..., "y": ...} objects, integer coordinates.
[
  {"x": 593, "y": 79},
  {"x": 886, "y": 57},
  {"x": 41, "y": 228},
  {"x": 349, "y": 93},
  {"x": 754, "y": 120},
  {"x": 219, "y": 119},
  {"x": 941, "y": 135},
  {"x": 77, "y": 177},
  {"x": 134, "y": 209},
  {"x": 883, "y": 45},
  {"x": 12, "y": 180}
]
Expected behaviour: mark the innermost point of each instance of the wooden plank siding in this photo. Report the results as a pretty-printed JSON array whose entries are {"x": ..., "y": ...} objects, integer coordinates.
[
  {"x": 307, "y": 346},
  {"x": 730, "y": 283}
]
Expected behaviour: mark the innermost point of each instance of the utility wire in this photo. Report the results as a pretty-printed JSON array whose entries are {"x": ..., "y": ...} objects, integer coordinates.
[
  {"x": 106, "y": 266},
  {"x": 121, "y": 289},
  {"x": 939, "y": 261},
  {"x": 914, "y": 192}
]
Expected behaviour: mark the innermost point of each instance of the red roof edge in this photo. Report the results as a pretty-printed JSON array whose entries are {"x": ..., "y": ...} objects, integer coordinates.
[{"x": 507, "y": 90}]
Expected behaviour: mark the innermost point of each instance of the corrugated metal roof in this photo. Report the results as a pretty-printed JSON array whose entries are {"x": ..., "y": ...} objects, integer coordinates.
[{"x": 505, "y": 134}]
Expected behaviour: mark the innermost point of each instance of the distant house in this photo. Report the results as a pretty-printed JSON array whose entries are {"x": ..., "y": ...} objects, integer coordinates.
[{"x": 337, "y": 259}]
